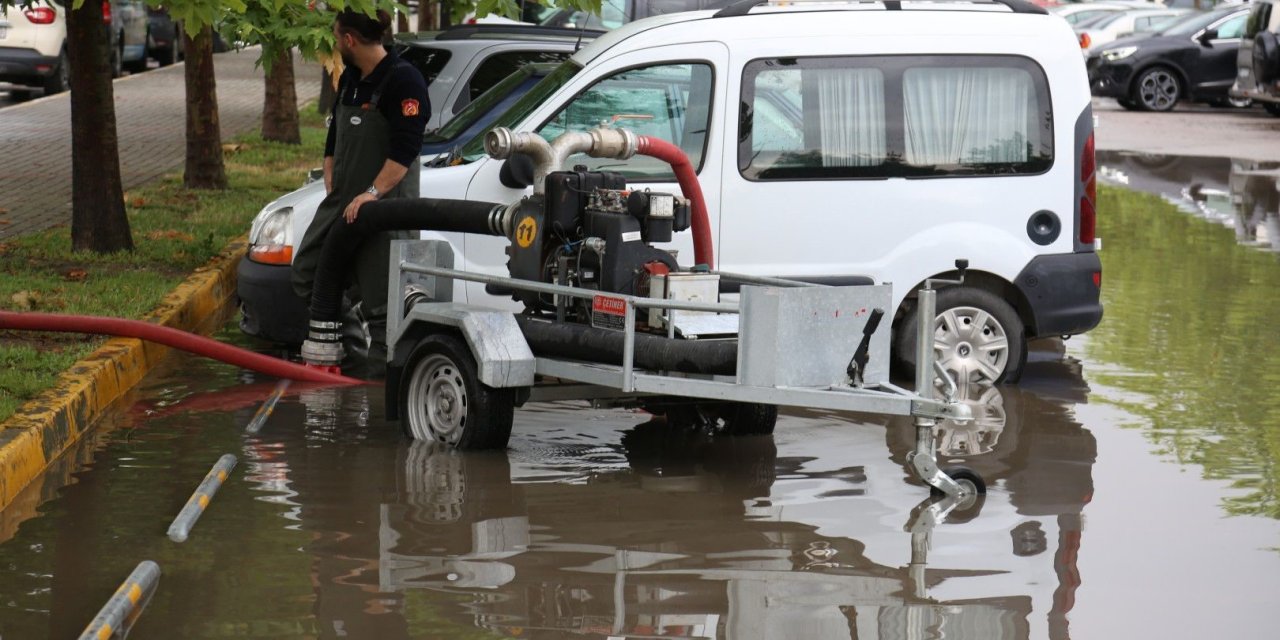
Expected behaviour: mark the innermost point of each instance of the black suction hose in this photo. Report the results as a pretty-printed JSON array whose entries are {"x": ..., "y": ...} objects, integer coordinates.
[
  {"x": 656, "y": 353},
  {"x": 407, "y": 214}
]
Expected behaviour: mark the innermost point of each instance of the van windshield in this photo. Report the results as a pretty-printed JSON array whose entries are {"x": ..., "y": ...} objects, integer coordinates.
[{"x": 474, "y": 148}]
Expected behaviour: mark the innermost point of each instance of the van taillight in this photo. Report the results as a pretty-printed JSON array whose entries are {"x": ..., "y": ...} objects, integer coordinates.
[
  {"x": 1089, "y": 201},
  {"x": 106, "y": 12},
  {"x": 40, "y": 15},
  {"x": 1085, "y": 41}
]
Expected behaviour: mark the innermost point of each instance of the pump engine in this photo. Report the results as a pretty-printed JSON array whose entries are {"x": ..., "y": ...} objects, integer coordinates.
[{"x": 588, "y": 230}]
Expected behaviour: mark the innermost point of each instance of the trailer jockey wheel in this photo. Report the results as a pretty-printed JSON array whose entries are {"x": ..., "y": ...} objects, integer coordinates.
[
  {"x": 443, "y": 400},
  {"x": 975, "y": 488}
]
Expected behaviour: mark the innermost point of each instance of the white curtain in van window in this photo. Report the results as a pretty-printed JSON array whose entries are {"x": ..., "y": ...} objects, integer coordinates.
[
  {"x": 851, "y": 116},
  {"x": 967, "y": 116}
]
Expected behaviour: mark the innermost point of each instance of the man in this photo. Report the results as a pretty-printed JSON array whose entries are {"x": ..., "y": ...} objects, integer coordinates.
[{"x": 375, "y": 135}]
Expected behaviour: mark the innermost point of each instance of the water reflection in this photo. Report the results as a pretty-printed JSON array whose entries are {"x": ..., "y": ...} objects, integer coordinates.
[
  {"x": 1187, "y": 345},
  {"x": 712, "y": 537},
  {"x": 594, "y": 524},
  {"x": 1242, "y": 195}
]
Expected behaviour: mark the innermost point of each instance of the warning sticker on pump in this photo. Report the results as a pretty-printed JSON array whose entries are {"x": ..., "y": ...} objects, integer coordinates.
[
  {"x": 526, "y": 231},
  {"x": 608, "y": 313}
]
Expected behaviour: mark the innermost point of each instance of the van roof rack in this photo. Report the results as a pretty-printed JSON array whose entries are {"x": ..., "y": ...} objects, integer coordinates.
[
  {"x": 744, "y": 7},
  {"x": 470, "y": 31}
]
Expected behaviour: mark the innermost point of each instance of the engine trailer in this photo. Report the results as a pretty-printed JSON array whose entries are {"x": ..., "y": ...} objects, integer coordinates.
[{"x": 612, "y": 318}]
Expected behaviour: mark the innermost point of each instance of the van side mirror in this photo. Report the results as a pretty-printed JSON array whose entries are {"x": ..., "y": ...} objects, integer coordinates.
[
  {"x": 516, "y": 172},
  {"x": 1207, "y": 36}
]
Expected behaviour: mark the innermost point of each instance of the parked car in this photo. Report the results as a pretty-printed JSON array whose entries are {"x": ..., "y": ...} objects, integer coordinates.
[
  {"x": 462, "y": 62},
  {"x": 1258, "y": 58},
  {"x": 1107, "y": 29},
  {"x": 477, "y": 116},
  {"x": 826, "y": 156},
  {"x": 1082, "y": 12},
  {"x": 129, "y": 36},
  {"x": 615, "y": 13},
  {"x": 33, "y": 47},
  {"x": 1194, "y": 59},
  {"x": 164, "y": 38}
]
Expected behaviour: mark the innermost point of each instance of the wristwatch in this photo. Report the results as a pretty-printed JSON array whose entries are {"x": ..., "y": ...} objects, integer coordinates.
[{"x": 374, "y": 191}]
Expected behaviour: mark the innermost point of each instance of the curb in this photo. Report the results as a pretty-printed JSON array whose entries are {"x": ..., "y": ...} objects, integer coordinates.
[{"x": 46, "y": 426}]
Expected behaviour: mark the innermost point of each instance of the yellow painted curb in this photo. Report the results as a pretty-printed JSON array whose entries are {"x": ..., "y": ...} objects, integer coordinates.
[{"x": 47, "y": 425}]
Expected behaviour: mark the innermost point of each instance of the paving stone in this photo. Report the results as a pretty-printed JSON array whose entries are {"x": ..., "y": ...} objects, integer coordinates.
[{"x": 35, "y": 137}]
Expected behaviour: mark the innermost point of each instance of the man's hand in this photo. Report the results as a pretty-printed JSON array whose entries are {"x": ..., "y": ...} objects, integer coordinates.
[{"x": 353, "y": 209}]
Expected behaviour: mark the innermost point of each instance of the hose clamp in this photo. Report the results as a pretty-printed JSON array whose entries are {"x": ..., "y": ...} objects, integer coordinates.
[
  {"x": 323, "y": 353},
  {"x": 324, "y": 324}
]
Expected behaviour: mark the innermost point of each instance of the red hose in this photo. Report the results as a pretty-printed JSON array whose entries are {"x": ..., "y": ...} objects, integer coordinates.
[
  {"x": 703, "y": 251},
  {"x": 189, "y": 342}
]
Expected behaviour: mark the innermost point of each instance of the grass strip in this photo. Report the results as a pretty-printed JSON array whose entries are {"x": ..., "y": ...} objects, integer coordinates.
[{"x": 175, "y": 230}]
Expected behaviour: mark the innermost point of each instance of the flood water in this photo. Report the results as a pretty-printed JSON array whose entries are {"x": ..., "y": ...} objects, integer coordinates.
[{"x": 1132, "y": 491}]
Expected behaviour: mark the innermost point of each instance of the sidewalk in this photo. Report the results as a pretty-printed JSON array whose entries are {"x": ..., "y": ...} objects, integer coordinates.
[{"x": 35, "y": 137}]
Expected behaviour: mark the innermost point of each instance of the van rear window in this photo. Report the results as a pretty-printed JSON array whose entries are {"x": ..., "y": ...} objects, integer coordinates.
[{"x": 894, "y": 116}]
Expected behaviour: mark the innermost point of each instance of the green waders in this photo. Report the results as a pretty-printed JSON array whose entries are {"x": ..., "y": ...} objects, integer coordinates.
[{"x": 360, "y": 151}]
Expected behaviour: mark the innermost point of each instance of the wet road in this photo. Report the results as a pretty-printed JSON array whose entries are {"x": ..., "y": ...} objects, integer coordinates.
[{"x": 1133, "y": 491}]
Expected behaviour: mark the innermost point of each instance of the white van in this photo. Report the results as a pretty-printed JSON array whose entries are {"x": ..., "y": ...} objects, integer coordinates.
[{"x": 848, "y": 142}]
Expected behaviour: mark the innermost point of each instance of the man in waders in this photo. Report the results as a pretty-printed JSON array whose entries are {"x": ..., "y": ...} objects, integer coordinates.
[{"x": 375, "y": 136}]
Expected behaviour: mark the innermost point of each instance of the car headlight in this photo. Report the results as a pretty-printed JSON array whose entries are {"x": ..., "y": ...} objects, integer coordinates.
[
  {"x": 269, "y": 241},
  {"x": 1119, "y": 53}
]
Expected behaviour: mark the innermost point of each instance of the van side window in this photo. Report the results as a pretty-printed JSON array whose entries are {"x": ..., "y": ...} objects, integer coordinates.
[
  {"x": 899, "y": 116},
  {"x": 672, "y": 102}
]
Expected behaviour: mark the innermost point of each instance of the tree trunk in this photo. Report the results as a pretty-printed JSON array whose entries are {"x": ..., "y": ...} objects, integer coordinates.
[
  {"x": 280, "y": 104},
  {"x": 204, "y": 169},
  {"x": 402, "y": 22},
  {"x": 98, "y": 221},
  {"x": 425, "y": 11},
  {"x": 328, "y": 94},
  {"x": 446, "y": 14}
]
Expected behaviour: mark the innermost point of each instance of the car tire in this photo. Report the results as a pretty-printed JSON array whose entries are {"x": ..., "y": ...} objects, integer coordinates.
[
  {"x": 1157, "y": 89},
  {"x": 167, "y": 55},
  {"x": 60, "y": 79},
  {"x": 443, "y": 400},
  {"x": 1272, "y": 108},
  {"x": 1266, "y": 56},
  {"x": 973, "y": 323},
  {"x": 1127, "y": 104}
]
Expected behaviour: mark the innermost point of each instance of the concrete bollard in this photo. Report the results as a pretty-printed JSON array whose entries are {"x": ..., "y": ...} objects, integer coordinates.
[
  {"x": 117, "y": 616},
  {"x": 264, "y": 412},
  {"x": 181, "y": 527}
]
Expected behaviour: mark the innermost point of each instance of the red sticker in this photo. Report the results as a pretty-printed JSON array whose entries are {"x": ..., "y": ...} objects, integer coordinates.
[{"x": 409, "y": 108}]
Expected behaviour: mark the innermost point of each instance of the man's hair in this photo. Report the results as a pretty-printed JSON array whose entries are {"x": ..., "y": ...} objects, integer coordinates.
[{"x": 366, "y": 29}]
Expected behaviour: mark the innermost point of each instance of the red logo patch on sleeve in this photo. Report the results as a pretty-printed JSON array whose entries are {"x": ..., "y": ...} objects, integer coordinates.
[{"x": 409, "y": 108}]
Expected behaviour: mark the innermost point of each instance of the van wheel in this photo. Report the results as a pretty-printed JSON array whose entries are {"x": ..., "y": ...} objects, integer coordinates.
[
  {"x": 978, "y": 337},
  {"x": 442, "y": 398},
  {"x": 1157, "y": 89}
]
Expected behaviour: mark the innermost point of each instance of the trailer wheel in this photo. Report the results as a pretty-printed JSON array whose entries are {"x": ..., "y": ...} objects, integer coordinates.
[
  {"x": 974, "y": 486},
  {"x": 965, "y": 477},
  {"x": 443, "y": 400}
]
